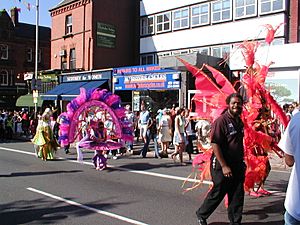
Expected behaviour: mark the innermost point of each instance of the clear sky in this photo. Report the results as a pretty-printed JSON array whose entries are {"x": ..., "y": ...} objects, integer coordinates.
[{"x": 29, "y": 16}]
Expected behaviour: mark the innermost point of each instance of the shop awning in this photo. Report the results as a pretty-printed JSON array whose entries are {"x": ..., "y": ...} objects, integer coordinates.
[
  {"x": 61, "y": 89},
  {"x": 73, "y": 93},
  {"x": 27, "y": 101}
]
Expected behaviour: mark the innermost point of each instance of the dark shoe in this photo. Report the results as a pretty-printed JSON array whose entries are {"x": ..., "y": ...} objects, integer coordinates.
[
  {"x": 67, "y": 151},
  {"x": 202, "y": 221}
]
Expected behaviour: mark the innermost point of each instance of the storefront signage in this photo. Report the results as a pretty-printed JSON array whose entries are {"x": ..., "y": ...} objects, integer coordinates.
[
  {"x": 153, "y": 81},
  {"x": 106, "y": 35},
  {"x": 136, "y": 69},
  {"x": 86, "y": 76}
]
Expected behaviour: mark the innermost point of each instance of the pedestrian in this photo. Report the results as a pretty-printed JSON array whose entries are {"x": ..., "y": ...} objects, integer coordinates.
[
  {"x": 290, "y": 144},
  {"x": 165, "y": 132},
  {"x": 179, "y": 137},
  {"x": 144, "y": 129},
  {"x": 227, "y": 165},
  {"x": 189, "y": 134},
  {"x": 153, "y": 134}
]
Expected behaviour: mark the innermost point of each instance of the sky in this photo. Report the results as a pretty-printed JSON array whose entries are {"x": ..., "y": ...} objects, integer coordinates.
[{"x": 29, "y": 16}]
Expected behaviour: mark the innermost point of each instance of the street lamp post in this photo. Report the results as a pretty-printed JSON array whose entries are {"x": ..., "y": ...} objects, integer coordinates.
[{"x": 35, "y": 94}]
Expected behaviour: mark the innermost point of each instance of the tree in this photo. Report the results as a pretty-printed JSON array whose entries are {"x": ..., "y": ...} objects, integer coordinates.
[{"x": 279, "y": 92}]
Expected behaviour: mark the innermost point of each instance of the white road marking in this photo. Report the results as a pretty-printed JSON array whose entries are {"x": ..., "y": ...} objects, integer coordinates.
[
  {"x": 132, "y": 171},
  {"x": 112, "y": 215}
]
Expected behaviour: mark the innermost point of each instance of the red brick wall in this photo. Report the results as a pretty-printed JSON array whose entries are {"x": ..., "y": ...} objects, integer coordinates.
[{"x": 294, "y": 22}]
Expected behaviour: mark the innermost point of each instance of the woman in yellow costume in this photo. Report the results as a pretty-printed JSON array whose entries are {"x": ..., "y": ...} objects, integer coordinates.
[{"x": 43, "y": 140}]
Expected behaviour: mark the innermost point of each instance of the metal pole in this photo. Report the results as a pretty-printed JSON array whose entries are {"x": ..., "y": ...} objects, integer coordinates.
[{"x": 36, "y": 51}]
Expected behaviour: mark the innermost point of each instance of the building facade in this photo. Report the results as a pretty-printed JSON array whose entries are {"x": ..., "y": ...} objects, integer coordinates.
[
  {"x": 17, "y": 55},
  {"x": 94, "y": 34},
  {"x": 212, "y": 27}
]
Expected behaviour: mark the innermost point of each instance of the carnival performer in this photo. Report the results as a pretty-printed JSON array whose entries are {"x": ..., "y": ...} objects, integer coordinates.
[
  {"x": 43, "y": 140},
  {"x": 99, "y": 136}
]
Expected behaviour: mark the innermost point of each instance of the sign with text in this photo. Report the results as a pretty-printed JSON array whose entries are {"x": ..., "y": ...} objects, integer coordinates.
[
  {"x": 106, "y": 35},
  {"x": 153, "y": 81},
  {"x": 88, "y": 76}
]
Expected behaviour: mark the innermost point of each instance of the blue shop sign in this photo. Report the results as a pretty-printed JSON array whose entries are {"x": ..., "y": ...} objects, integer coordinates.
[
  {"x": 150, "y": 81},
  {"x": 142, "y": 69}
]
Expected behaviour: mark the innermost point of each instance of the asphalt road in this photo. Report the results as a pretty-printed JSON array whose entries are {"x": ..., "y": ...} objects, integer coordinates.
[{"x": 132, "y": 190}]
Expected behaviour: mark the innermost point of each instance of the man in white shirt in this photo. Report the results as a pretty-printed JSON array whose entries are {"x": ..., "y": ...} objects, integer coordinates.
[{"x": 290, "y": 144}]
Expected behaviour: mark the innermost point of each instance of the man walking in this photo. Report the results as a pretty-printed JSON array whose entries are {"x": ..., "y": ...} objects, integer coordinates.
[
  {"x": 144, "y": 128},
  {"x": 227, "y": 165},
  {"x": 290, "y": 144}
]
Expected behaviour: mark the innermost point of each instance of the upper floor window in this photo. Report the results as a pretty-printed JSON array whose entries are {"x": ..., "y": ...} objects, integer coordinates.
[
  {"x": 72, "y": 59},
  {"x": 163, "y": 22},
  {"x": 68, "y": 24},
  {"x": 147, "y": 25},
  {"x": 39, "y": 55},
  {"x": 63, "y": 62},
  {"x": 181, "y": 18},
  {"x": 221, "y": 51},
  {"x": 3, "y": 77},
  {"x": 29, "y": 54},
  {"x": 244, "y": 8},
  {"x": 200, "y": 14},
  {"x": 221, "y": 11},
  {"x": 3, "y": 51},
  {"x": 181, "y": 52},
  {"x": 147, "y": 59},
  {"x": 268, "y": 6},
  {"x": 203, "y": 51}
]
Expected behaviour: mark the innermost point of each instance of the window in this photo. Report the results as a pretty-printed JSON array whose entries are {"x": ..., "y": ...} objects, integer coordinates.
[
  {"x": 203, "y": 51},
  {"x": 244, "y": 8},
  {"x": 68, "y": 24},
  {"x": 147, "y": 59},
  {"x": 29, "y": 54},
  {"x": 72, "y": 59},
  {"x": 200, "y": 15},
  {"x": 63, "y": 62},
  {"x": 3, "y": 77},
  {"x": 221, "y": 51},
  {"x": 39, "y": 55},
  {"x": 268, "y": 6},
  {"x": 3, "y": 52},
  {"x": 180, "y": 52},
  {"x": 181, "y": 18},
  {"x": 221, "y": 11},
  {"x": 147, "y": 25},
  {"x": 163, "y": 22}
]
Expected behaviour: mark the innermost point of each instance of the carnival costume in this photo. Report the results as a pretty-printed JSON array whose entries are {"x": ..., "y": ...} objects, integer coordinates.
[
  {"x": 260, "y": 107},
  {"x": 44, "y": 142},
  {"x": 85, "y": 109}
]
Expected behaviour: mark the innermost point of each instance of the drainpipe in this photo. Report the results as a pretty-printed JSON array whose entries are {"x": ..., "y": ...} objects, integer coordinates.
[{"x": 83, "y": 37}]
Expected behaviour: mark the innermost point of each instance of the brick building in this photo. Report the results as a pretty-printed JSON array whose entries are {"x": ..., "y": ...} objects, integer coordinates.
[
  {"x": 17, "y": 55},
  {"x": 94, "y": 34}
]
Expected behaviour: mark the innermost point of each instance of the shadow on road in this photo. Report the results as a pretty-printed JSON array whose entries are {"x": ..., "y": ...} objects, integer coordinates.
[
  {"x": 41, "y": 211},
  {"x": 39, "y": 173}
]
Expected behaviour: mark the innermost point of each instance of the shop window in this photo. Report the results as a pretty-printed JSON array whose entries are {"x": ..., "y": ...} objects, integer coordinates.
[
  {"x": 269, "y": 6},
  {"x": 72, "y": 59},
  {"x": 3, "y": 52},
  {"x": 29, "y": 54},
  {"x": 245, "y": 8},
  {"x": 180, "y": 18},
  {"x": 221, "y": 11},
  {"x": 147, "y": 25},
  {"x": 200, "y": 15},
  {"x": 68, "y": 24},
  {"x": 3, "y": 77},
  {"x": 163, "y": 22},
  {"x": 180, "y": 52}
]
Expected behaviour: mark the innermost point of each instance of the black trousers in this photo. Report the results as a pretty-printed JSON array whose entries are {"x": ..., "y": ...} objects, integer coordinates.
[{"x": 233, "y": 187}]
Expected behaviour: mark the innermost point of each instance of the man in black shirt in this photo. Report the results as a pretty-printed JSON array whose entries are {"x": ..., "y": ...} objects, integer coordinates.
[{"x": 227, "y": 165}]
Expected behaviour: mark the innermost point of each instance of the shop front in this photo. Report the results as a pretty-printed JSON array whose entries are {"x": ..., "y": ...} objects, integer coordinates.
[
  {"x": 158, "y": 88},
  {"x": 70, "y": 84}
]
